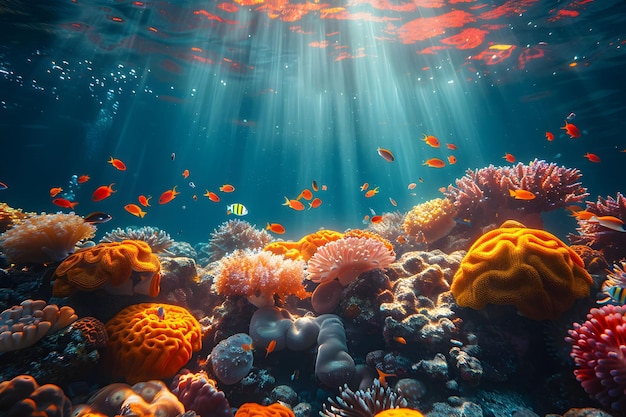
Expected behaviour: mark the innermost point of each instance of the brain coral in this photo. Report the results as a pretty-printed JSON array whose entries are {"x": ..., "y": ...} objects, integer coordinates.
[
  {"x": 258, "y": 410},
  {"x": 430, "y": 221},
  {"x": 305, "y": 247},
  {"x": 44, "y": 238},
  {"x": 127, "y": 267},
  {"x": 528, "y": 268},
  {"x": 151, "y": 341}
]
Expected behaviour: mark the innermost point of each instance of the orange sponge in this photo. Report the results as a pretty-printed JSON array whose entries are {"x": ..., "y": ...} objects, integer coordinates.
[
  {"x": 258, "y": 410},
  {"x": 151, "y": 341},
  {"x": 399, "y": 412},
  {"x": 305, "y": 247}
]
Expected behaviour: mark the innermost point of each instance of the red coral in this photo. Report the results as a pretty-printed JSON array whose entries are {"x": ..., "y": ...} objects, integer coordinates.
[
  {"x": 610, "y": 242},
  {"x": 599, "y": 351}
]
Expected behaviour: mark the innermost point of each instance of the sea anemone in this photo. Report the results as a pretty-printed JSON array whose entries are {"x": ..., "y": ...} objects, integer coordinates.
[
  {"x": 158, "y": 240},
  {"x": 233, "y": 235},
  {"x": 362, "y": 403},
  {"x": 347, "y": 258},
  {"x": 599, "y": 351}
]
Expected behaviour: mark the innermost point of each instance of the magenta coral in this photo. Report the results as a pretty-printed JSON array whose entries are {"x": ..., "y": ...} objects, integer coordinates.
[
  {"x": 599, "y": 351},
  {"x": 610, "y": 242},
  {"x": 44, "y": 238}
]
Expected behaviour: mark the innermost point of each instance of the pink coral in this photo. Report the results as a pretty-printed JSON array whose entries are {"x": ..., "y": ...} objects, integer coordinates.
[
  {"x": 260, "y": 276},
  {"x": 610, "y": 242},
  {"x": 599, "y": 351},
  {"x": 44, "y": 238}
]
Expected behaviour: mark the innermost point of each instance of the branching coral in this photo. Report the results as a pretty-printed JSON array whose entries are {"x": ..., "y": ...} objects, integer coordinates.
[
  {"x": 22, "y": 326},
  {"x": 22, "y": 396},
  {"x": 305, "y": 247},
  {"x": 127, "y": 267},
  {"x": 236, "y": 235},
  {"x": 362, "y": 403},
  {"x": 599, "y": 351},
  {"x": 610, "y": 242},
  {"x": 149, "y": 341},
  {"x": 528, "y": 268},
  {"x": 158, "y": 240},
  {"x": 44, "y": 238},
  {"x": 260, "y": 276},
  {"x": 481, "y": 195},
  {"x": 430, "y": 221}
]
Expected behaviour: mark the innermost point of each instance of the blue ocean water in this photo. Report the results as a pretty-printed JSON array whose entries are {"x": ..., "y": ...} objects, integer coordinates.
[{"x": 269, "y": 97}]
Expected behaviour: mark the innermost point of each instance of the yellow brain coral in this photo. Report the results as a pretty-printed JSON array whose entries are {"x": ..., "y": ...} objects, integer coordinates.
[
  {"x": 110, "y": 265},
  {"x": 528, "y": 268},
  {"x": 151, "y": 341},
  {"x": 258, "y": 410},
  {"x": 430, "y": 221},
  {"x": 399, "y": 412},
  {"x": 306, "y": 247}
]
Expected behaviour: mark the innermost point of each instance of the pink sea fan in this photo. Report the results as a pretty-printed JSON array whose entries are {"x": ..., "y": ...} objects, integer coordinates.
[
  {"x": 44, "y": 238},
  {"x": 599, "y": 351},
  {"x": 347, "y": 258}
]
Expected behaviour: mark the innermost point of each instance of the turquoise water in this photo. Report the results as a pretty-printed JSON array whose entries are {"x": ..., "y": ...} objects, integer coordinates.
[{"x": 269, "y": 98}]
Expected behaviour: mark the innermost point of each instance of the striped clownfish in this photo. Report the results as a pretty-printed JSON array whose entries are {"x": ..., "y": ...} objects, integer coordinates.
[{"x": 237, "y": 209}]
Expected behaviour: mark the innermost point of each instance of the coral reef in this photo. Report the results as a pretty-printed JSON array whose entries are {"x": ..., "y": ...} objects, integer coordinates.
[
  {"x": 44, "y": 238},
  {"x": 127, "y": 267},
  {"x": 22, "y": 396},
  {"x": 198, "y": 392},
  {"x": 430, "y": 221},
  {"x": 236, "y": 235},
  {"x": 483, "y": 195},
  {"x": 258, "y": 410},
  {"x": 150, "y": 340},
  {"x": 599, "y": 351},
  {"x": 23, "y": 325},
  {"x": 391, "y": 228},
  {"x": 305, "y": 247},
  {"x": 229, "y": 360},
  {"x": 362, "y": 403},
  {"x": 10, "y": 216},
  {"x": 260, "y": 276},
  {"x": 611, "y": 243},
  {"x": 158, "y": 240},
  {"x": 528, "y": 268}
]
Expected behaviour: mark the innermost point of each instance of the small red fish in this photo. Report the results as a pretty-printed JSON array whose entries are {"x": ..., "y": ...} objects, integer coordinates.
[
  {"x": 610, "y": 222},
  {"x": 571, "y": 130},
  {"x": 185, "y": 173},
  {"x": 435, "y": 163},
  {"x": 212, "y": 196},
  {"x": 451, "y": 146},
  {"x": 294, "y": 204},
  {"x": 393, "y": 202},
  {"x": 135, "y": 210},
  {"x": 376, "y": 219},
  {"x": 117, "y": 164},
  {"x": 431, "y": 140},
  {"x": 306, "y": 194},
  {"x": 83, "y": 178},
  {"x": 227, "y": 188},
  {"x": 55, "y": 191},
  {"x": 520, "y": 194},
  {"x": 411, "y": 186},
  {"x": 382, "y": 377},
  {"x": 509, "y": 157},
  {"x": 365, "y": 186},
  {"x": 592, "y": 157},
  {"x": 65, "y": 203},
  {"x": 276, "y": 228},
  {"x": 247, "y": 347},
  {"x": 550, "y": 136},
  {"x": 102, "y": 192},
  {"x": 270, "y": 347},
  {"x": 144, "y": 201},
  {"x": 315, "y": 203},
  {"x": 451, "y": 159},
  {"x": 400, "y": 340},
  {"x": 386, "y": 154},
  {"x": 168, "y": 196}
]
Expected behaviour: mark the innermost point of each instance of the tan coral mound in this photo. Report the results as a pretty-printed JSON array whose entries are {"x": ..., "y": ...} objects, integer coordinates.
[
  {"x": 528, "y": 268},
  {"x": 430, "y": 221}
]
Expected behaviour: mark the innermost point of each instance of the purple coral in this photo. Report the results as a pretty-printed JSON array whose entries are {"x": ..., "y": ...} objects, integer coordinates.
[
  {"x": 199, "y": 393},
  {"x": 610, "y": 242}
]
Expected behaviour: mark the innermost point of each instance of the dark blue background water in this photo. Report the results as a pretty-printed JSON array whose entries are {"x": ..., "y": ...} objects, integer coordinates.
[{"x": 256, "y": 106}]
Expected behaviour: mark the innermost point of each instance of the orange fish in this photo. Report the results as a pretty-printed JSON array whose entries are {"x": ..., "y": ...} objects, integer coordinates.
[
  {"x": 393, "y": 202},
  {"x": 550, "y": 136},
  {"x": 520, "y": 194},
  {"x": 276, "y": 228},
  {"x": 583, "y": 214},
  {"x": 610, "y": 222},
  {"x": 270, "y": 348},
  {"x": 227, "y": 188},
  {"x": 185, "y": 173},
  {"x": 400, "y": 340},
  {"x": 168, "y": 196},
  {"x": 382, "y": 377},
  {"x": 64, "y": 202},
  {"x": 411, "y": 186},
  {"x": 371, "y": 193},
  {"x": 144, "y": 201},
  {"x": 54, "y": 191},
  {"x": 314, "y": 186},
  {"x": 365, "y": 186},
  {"x": 431, "y": 140},
  {"x": 451, "y": 159},
  {"x": 294, "y": 204},
  {"x": 212, "y": 196},
  {"x": 135, "y": 210},
  {"x": 592, "y": 157},
  {"x": 509, "y": 157},
  {"x": 315, "y": 203},
  {"x": 376, "y": 219},
  {"x": 451, "y": 146},
  {"x": 435, "y": 163},
  {"x": 102, "y": 192},
  {"x": 247, "y": 347},
  {"x": 571, "y": 130},
  {"x": 386, "y": 154},
  {"x": 117, "y": 164},
  {"x": 306, "y": 194},
  {"x": 83, "y": 178}
]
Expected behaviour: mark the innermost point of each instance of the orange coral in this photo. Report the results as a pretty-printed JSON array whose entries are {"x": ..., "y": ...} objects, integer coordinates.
[
  {"x": 44, "y": 238},
  {"x": 258, "y": 410},
  {"x": 528, "y": 268},
  {"x": 306, "y": 247},
  {"x": 260, "y": 276},
  {"x": 369, "y": 235},
  {"x": 10, "y": 216},
  {"x": 23, "y": 396},
  {"x": 144, "y": 344},
  {"x": 399, "y": 412},
  {"x": 430, "y": 221},
  {"x": 110, "y": 265}
]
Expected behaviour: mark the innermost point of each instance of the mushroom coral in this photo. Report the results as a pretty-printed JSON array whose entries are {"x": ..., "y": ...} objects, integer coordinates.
[
  {"x": 528, "y": 268},
  {"x": 151, "y": 341},
  {"x": 110, "y": 265},
  {"x": 305, "y": 247}
]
